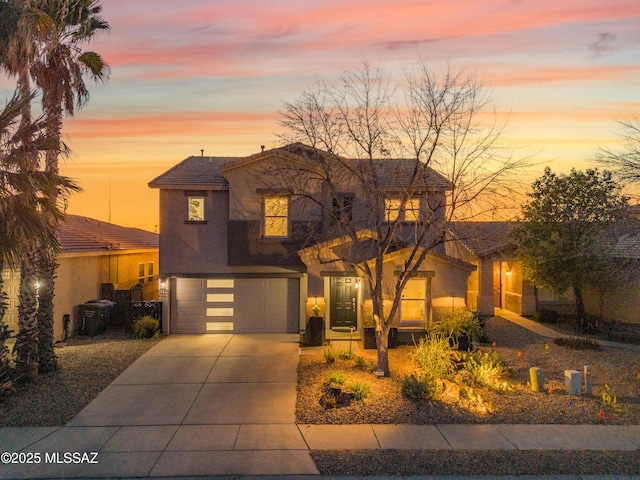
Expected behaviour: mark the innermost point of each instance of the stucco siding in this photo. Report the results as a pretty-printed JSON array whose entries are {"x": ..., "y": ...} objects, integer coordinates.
[{"x": 193, "y": 247}]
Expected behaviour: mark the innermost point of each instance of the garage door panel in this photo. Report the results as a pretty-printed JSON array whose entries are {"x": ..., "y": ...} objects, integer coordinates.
[{"x": 258, "y": 305}]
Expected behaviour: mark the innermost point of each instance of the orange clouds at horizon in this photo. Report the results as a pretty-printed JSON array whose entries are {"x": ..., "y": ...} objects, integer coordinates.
[{"x": 201, "y": 75}]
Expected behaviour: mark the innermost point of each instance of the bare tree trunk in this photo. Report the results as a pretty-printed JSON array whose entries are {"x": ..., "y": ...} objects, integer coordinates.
[
  {"x": 382, "y": 343},
  {"x": 582, "y": 317}
]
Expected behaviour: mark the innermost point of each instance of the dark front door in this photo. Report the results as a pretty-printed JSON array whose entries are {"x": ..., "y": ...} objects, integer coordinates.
[{"x": 344, "y": 295}]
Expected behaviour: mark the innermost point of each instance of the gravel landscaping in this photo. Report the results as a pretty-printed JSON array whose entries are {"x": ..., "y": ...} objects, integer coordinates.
[
  {"x": 618, "y": 368},
  {"x": 613, "y": 367},
  {"x": 87, "y": 366}
]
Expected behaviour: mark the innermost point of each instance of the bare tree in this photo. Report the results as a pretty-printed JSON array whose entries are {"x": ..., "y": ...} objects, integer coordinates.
[
  {"x": 625, "y": 163},
  {"x": 417, "y": 154}
]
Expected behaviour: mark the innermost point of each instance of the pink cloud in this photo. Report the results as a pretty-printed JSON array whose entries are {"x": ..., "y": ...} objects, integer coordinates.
[{"x": 173, "y": 124}]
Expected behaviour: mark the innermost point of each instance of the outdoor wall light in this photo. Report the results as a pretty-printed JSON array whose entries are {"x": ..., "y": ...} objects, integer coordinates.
[
  {"x": 357, "y": 283},
  {"x": 162, "y": 291}
]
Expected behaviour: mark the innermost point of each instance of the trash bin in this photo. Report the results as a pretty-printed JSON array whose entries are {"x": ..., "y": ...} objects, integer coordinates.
[
  {"x": 315, "y": 331},
  {"x": 95, "y": 315}
]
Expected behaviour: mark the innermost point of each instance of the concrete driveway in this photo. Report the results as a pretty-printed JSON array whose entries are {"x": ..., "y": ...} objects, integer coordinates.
[{"x": 192, "y": 405}]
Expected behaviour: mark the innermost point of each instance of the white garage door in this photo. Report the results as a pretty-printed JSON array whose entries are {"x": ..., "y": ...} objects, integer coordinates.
[{"x": 240, "y": 305}]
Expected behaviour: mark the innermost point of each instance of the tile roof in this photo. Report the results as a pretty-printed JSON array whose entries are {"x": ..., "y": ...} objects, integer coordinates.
[
  {"x": 628, "y": 245},
  {"x": 201, "y": 171},
  {"x": 483, "y": 238},
  {"x": 399, "y": 172},
  {"x": 193, "y": 172},
  {"x": 82, "y": 234}
]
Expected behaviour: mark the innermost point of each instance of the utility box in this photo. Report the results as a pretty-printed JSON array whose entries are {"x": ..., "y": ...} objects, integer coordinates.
[
  {"x": 573, "y": 382},
  {"x": 536, "y": 378}
]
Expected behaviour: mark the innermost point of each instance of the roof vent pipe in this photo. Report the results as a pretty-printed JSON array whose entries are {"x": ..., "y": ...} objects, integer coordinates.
[
  {"x": 262, "y": 147},
  {"x": 202, "y": 152}
]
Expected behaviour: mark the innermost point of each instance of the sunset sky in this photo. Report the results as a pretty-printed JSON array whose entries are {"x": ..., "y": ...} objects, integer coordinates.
[{"x": 212, "y": 75}]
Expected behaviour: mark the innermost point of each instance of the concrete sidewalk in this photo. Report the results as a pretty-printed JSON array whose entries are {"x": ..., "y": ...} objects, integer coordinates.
[
  {"x": 208, "y": 405},
  {"x": 192, "y": 405},
  {"x": 271, "y": 449}
]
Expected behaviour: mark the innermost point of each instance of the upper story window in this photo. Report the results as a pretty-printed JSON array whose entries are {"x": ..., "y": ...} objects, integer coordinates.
[
  {"x": 392, "y": 207},
  {"x": 195, "y": 209},
  {"x": 275, "y": 210},
  {"x": 342, "y": 208},
  {"x": 150, "y": 272}
]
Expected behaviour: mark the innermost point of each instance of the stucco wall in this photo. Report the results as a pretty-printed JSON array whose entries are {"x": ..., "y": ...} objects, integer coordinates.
[
  {"x": 618, "y": 302},
  {"x": 79, "y": 279},
  {"x": 193, "y": 248}
]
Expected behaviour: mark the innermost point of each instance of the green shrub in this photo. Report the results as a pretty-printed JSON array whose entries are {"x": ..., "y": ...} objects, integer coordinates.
[
  {"x": 433, "y": 354},
  {"x": 334, "y": 377},
  {"x": 577, "y": 343},
  {"x": 414, "y": 388},
  {"x": 330, "y": 354},
  {"x": 360, "y": 390},
  {"x": 488, "y": 369},
  {"x": 460, "y": 323},
  {"x": 146, "y": 327},
  {"x": 346, "y": 355},
  {"x": 359, "y": 361},
  {"x": 545, "y": 315}
]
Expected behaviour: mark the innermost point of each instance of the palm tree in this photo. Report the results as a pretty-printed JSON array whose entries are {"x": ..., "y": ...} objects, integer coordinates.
[
  {"x": 59, "y": 70},
  {"x": 27, "y": 201}
]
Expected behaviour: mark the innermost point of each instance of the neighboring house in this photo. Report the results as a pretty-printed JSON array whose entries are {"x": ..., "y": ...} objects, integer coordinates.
[
  {"x": 94, "y": 254},
  {"x": 619, "y": 299},
  {"x": 497, "y": 282},
  {"x": 238, "y": 255}
]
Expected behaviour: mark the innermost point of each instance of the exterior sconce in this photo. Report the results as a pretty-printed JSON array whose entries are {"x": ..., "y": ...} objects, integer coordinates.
[
  {"x": 162, "y": 291},
  {"x": 357, "y": 282}
]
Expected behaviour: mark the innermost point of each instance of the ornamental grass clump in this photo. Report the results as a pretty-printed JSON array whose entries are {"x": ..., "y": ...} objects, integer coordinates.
[
  {"x": 334, "y": 377},
  {"x": 460, "y": 324},
  {"x": 146, "y": 327},
  {"x": 488, "y": 369},
  {"x": 434, "y": 355},
  {"x": 414, "y": 387},
  {"x": 330, "y": 354},
  {"x": 360, "y": 390}
]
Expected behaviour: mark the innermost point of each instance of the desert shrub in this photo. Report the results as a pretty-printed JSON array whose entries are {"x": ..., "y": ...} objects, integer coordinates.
[
  {"x": 460, "y": 323},
  {"x": 433, "y": 354},
  {"x": 577, "y": 343},
  {"x": 359, "y": 361},
  {"x": 360, "y": 390},
  {"x": 146, "y": 327},
  {"x": 334, "y": 377},
  {"x": 346, "y": 355},
  {"x": 414, "y": 388},
  {"x": 545, "y": 315},
  {"x": 330, "y": 354},
  {"x": 488, "y": 369}
]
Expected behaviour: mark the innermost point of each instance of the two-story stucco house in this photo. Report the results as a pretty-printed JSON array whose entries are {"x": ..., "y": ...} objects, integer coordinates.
[{"x": 238, "y": 253}]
